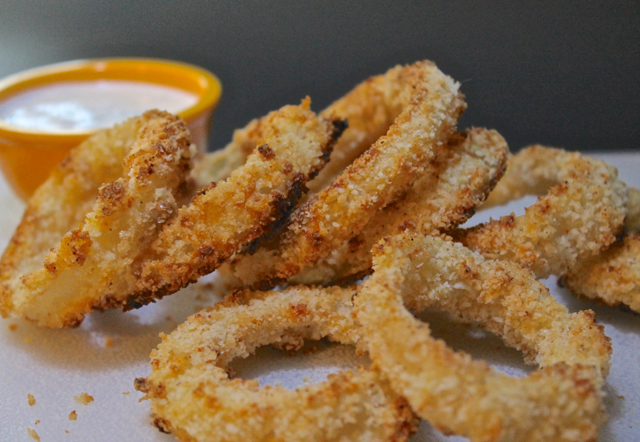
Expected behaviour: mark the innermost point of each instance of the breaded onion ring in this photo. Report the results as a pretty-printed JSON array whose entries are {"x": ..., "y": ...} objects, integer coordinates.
[
  {"x": 612, "y": 277},
  {"x": 135, "y": 170},
  {"x": 579, "y": 216},
  {"x": 370, "y": 109},
  {"x": 192, "y": 396},
  {"x": 452, "y": 186},
  {"x": 227, "y": 215},
  {"x": 376, "y": 178},
  {"x": 562, "y": 401}
]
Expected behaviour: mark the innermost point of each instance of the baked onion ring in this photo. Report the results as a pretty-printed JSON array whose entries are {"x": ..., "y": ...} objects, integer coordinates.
[
  {"x": 613, "y": 276},
  {"x": 560, "y": 401},
  {"x": 135, "y": 170},
  {"x": 193, "y": 398},
  {"x": 376, "y": 178},
  {"x": 370, "y": 109},
  {"x": 227, "y": 215},
  {"x": 580, "y": 215},
  {"x": 452, "y": 186}
]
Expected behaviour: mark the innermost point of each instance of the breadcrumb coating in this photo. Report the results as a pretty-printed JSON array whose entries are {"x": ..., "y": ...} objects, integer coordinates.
[
  {"x": 228, "y": 215},
  {"x": 581, "y": 212},
  {"x": 562, "y": 401},
  {"x": 193, "y": 398},
  {"x": 119, "y": 187},
  {"x": 376, "y": 178},
  {"x": 446, "y": 195}
]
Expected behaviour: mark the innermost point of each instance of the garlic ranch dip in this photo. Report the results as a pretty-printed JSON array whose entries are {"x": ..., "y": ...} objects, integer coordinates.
[{"x": 88, "y": 105}]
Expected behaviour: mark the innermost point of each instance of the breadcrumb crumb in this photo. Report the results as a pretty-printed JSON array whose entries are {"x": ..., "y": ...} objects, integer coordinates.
[
  {"x": 33, "y": 434},
  {"x": 73, "y": 415},
  {"x": 126, "y": 393},
  {"x": 84, "y": 398},
  {"x": 31, "y": 400}
]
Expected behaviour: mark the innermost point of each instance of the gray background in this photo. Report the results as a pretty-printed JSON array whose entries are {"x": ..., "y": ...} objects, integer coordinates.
[{"x": 566, "y": 74}]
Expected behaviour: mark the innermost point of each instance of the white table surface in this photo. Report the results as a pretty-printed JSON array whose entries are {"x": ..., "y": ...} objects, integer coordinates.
[{"x": 56, "y": 365}]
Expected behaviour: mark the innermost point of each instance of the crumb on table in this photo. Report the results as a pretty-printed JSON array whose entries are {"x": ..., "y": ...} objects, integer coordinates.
[
  {"x": 33, "y": 434},
  {"x": 73, "y": 415},
  {"x": 31, "y": 399},
  {"x": 84, "y": 398},
  {"x": 126, "y": 393},
  {"x": 37, "y": 421}
]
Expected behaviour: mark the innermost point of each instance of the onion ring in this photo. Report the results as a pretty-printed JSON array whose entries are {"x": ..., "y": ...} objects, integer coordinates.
[
  {"x": 143, "y": 162},
  {"x": 612, "y": 277},
  {"x": 295, "y": 146},
  {"x": 192, "y": 396},
  {"x": 370, "y": 109},
  {"x": 459, "y": 179},
  {"x": 376, "y": 178},
  {"x": 560, "y": 401},
  {"x": 580, "y": 215}
]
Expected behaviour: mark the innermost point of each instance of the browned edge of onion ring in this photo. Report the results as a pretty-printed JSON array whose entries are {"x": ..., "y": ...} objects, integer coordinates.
[
  {"x": 192, "y": 396},
  {"x": 560, "y": 401},
  {"x": 580, "y": 215},
  {"x": 227, "y": 215},
  {"x": 452, "y": 186},
  {"x": 376, "y": 178},
  {"x": 135, "y": 171}
]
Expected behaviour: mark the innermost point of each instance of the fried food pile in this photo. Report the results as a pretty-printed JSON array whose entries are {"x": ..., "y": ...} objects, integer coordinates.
[{"x": 296, "y": 210}]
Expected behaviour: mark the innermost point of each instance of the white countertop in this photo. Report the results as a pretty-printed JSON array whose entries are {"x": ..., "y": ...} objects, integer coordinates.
[{"x": 55, "y": 365}]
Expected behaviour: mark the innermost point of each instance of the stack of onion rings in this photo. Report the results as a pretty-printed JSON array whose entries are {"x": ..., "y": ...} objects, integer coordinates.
[
  {"x": 452, "y": 186},
  {"x": 376, "y": 178},
  {"x": 192, "y": 396},
  {"x": 561, "y": 401},
  {"x": 135, "y": 171},
  {"x": 295, "y": 145}
]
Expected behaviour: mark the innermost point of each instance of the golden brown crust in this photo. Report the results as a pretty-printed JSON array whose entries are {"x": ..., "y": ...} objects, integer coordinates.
[
  {"x": 561, "y": 401},
  {"x": 192, "y": 396},
  {"x": 446, "y": 195},
  {"x": 376, "y": 178},
  {"x": 228, "y": 215},
  {"x": 119, "y": 187},
  {"x": 580, "y": 215}
]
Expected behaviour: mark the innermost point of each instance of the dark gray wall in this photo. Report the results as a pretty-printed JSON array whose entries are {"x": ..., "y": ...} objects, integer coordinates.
[{"x": 561, "y": 73}]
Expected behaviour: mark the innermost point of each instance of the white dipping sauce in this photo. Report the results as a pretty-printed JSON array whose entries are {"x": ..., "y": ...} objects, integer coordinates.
[{"x": 85, "y": 105}]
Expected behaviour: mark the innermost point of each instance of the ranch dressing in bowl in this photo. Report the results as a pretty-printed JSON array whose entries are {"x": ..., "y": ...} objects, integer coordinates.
[{"x": 87, "y": 105}]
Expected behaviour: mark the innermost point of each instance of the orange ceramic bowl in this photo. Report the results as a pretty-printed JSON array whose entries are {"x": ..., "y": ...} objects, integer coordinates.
[{"x": 27, "y": 156}]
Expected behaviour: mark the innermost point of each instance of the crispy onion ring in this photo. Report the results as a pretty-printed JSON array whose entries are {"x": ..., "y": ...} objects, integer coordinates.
[
  {"x": 453, "y": 185},
  {"x": 376, "y": 178},
  {"x": 580, "y": 215},
  {"x": 560, "y": 401},
  {"x": 612, "y": 277},
  {"x": 143, "y": 162},
  {"x": 192, "y": 396},
  {"x": 370, "y": 109},
  {"x": 228, "y": 215}
]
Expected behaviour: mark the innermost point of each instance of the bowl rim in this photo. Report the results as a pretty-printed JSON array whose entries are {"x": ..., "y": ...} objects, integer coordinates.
[{"x": 195, "y": 79}]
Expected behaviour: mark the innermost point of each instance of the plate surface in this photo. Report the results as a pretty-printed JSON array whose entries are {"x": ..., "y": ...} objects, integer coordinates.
[{"x": 111, "y": 349}]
